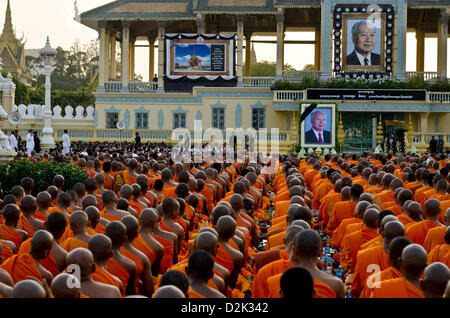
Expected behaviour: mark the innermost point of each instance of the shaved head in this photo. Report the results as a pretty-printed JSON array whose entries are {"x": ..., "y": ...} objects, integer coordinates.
[
  {"x": 65, "y": 286},
  {"x": 84, "y": 259},
  {"x": 370, "y": 218},
  {"x": 206, "y": 241},
  {"x": 435, "y": 279},
  {"x": 291, "y": 233},
  {"x": 413, "y": 260},
  {"x": 168, "y": 291},
  {"x": 101, "y": 247},
  {"x": 79, "y": 221},
  {"x": 307, "y": 244},
  {"x": 28, "y": 289},
  {"x": 226, "y": 227}
]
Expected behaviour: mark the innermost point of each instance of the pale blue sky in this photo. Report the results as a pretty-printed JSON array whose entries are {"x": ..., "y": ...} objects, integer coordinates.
[{"x": 38, "y": 18}]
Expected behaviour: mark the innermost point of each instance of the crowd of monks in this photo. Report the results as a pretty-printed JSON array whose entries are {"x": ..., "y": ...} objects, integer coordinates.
[{"x": 142, "y": 225}]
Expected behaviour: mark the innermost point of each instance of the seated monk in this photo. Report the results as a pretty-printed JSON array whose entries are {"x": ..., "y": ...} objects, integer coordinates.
[
  {"x": 27, "y": 222},
  {"x": 110, "y": 212},
  {"x": 170, "y": 211},
  {"x": 101, "y": 248},
  {"x": 436, "y": 277},
  {"x": 260, "y": 287},
  {"x": 168, "y": 240},
  {"x": 242, "y": 219},
  {"x": 147, "y": 196},
  {"x": 63, "y": 205},
  {"x": 345, "y": 209},
  {"x": 138, "y": 201},
  {"x": 414, "y": 261},
  {"x": 43, "y": 202},
  {"x": 297, "y": 283},
  {"x": 55, "y": 262},
  {"x": 84, "y": 259},
  {"x": 128, "y": 176},
  {"x": 435, "y": 236},
  {"x": 119, "y": 265},
  {"x": 126, "y": 192},
  {"x": 20, "y": 266},
  {"x": 327, "y": 202},
  {"x": 395, "y": 252},
  {"x": 376, "y": 255},
  {"x": 146, "y": 243},
  {"x": 417, "y": 232},
  {"x": 438, "y": 253},
  {"x": 66, "y": 286},
  {"x": 177, "y": 279},
  {"x": 169, "y": 291},
  {"x": 200, "y": 271},
  {"x": 307, "y": 248},
  {"x": 143, "y": 265},
  {"x": 9, "y": 230},
  {"x": 78, "y": 224},
  {"x": 28, "y": 288},
  {"x": 94, "y": 224}
]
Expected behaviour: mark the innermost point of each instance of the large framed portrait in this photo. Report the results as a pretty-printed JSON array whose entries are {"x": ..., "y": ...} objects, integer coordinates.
[
  {"x": 363, "y": 40},
  {"x": 318, "y": 129},
  {"x": 363, "y": 44}
]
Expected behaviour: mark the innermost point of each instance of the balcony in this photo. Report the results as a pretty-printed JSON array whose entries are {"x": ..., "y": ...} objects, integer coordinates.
[
  {"x": 426, "y": 76},
  {"x": 257, "y": 81}
]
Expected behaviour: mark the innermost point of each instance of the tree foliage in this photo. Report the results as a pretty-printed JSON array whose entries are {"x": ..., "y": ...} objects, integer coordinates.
[{"x": 267, "y": 69}]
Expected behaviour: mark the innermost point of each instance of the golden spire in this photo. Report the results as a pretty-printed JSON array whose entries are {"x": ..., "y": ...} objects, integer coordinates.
[{"x": 8, "y": 31}]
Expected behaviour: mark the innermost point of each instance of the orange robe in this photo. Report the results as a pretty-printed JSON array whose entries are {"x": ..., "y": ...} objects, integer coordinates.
[
  {"x": 326, "y": 206},
  {"x": 25, "y": 225},
  {"x": 388, "y": 273},
  {"x": 383, "y": 197},
  {"x": 396, "y": 288},
  {"x": 72, "y": 243},
  {"x": 12, "y": 235},
  {"x": 223, "y": 258},
  {"x": 281, "y": 208},
  {"x": 137, "y": 261},
  {"x": 339, "y": 233},
  {"x": 417, "y": 232},
  {"x": 322, "y": 191},
  {"x": 354, "y": 242},
  {"x": 322, "y": 290},
  {"x": 434, "y": 237},
  {"x": 365, "y": 258},
  {"x": 21, "y": 266},
  {"x": 49, "y": 262},
  {"x": 404, "y": 219},
  {"x": 341, "y": 211},
  {"x": 140, "y": 244},
  {"x": 181, "y": 267},
  {"x": 167, "y": 259},
  {"x": 102, "y": 276},
  {"x": 260, "y": 287},
  {"x": 6, "y": 251},
  {"x": 115, "y": 268},
  {"x": 438, "y": 253}
]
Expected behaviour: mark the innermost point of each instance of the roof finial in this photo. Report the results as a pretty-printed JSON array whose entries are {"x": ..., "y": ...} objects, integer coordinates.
[{"x": 8, "y": 31}]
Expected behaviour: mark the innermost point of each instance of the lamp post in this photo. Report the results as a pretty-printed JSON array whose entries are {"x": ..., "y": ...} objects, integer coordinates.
[{"x": 48, "y": 55}]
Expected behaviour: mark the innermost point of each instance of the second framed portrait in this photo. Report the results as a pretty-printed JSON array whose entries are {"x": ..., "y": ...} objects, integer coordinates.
[{"x": 318, "y": 129}]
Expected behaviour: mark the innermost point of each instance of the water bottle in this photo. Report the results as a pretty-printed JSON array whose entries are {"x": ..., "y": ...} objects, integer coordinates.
[
  {"x": 348, "y": 295},
  {"x": 327, "y": 249},
  {"x": 339, "y": 272},
  {"x": 329, "y": 270}
]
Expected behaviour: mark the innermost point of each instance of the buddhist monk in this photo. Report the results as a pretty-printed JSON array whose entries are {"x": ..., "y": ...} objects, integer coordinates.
[
  {"x": 168, "y": 291},
  {"x": 175, "y": 278},
  {"x": 395, "y": 252},
  {"x": 260, "y": 287},
  {"x": 84, "y": 260},
  {"x": 111, "y": 213},
  {"x": 27, "y": 222},
  {"x": 28, "y": 288},
  {"x": 94, "y": 224},
  {"x": 119, "y": 265},
  {"x": 101, "y": 248},
  {"x": 145, "y": 241},
  {"x": 297, "y": 283},
  {"x": 171, "y": 210},
  {"x": 145, "y": 274},
  {"x": 126, "y": 192},
  {"x": 417, "y": 232},
  {"x": 345, "y": 209},
  {"x": 43, "y": 202},
  {"x": 435, "y": 236},
  {"x": 439, "y": 252},
  {"x": 66, "y": 286},
  {"x": 413, "y": 261},
  {"x": 435, "y": 278},
  {"x": 9, "y": 230},
  {"x": 307, "y": 248},
  {"x": 78, "y": 224},
  {"x": 377, "y": 255},
  {"x": 20, "y": 266},
  {"x": 200, "y": 271}
]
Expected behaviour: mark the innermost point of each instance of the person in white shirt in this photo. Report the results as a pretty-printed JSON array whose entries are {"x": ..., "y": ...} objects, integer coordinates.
[
  {"x": 13, "y": 141},
  {"x": 30, "y": 142},
  {"x": 66, "y": 142}
]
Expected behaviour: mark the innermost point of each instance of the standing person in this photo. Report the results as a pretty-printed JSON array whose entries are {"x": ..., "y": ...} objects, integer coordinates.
[
  {"x": 66, "y": 142},
  {"x": 37, "y": 143},
  {"x": 433, "y": 145},
  {"x": 440, "y": 144},
  {"x": 13, "y": 141},
  {"x": 30, "y": 142},
  {"x": 137, "y": 141}
]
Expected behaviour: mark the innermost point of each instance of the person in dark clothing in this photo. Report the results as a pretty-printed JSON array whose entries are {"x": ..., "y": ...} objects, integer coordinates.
[
  {"x": 137, "y": 140},
  {"x": 433, "y": 145},
  {"x": 440, "y": 144},
  {"x": 37, "y": 143}
]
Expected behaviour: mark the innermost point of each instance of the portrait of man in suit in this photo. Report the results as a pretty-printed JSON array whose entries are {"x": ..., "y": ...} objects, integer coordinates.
[
  {"x": 364, "y": 37},
  {"x": 317, "y": 134}
]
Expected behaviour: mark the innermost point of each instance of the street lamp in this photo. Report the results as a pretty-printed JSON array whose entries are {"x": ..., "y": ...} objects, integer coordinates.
[{"x": 48, "y": 55}]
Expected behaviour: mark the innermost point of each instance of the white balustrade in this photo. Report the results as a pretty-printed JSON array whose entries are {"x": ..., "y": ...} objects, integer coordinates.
[
  {"x": 426, "y": 76},
  {"x": 281, "y": 96},
  {"x": 142, "y": 86},
  {"x": 57, "y": 112},
  {"x": 113, "y": 86},
  {"x": 257, "y": 81},
  {"x": 438, "y": 97},
  {"x": 298, "y": 76}
]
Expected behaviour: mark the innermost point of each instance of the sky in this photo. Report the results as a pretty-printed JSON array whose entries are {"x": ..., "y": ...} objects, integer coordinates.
[{"x": 37, "y": 19}]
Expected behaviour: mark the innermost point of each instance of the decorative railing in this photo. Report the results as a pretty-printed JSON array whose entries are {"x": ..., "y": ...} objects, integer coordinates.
[
  {"x": 257, "y": 81},
  {"x": 143, "y": 87},
  {"x": 77, "y": 134},
  {"x": 299, "y": 76},
  {"x": 438, "y": 97},
  {"x": 288, "y": 96},
  {"x": 34, "y": 111},
  {"x": 426, "y": 76},
  {"x": 419, "y": 137},
  {"x": 113, "y": 86}
]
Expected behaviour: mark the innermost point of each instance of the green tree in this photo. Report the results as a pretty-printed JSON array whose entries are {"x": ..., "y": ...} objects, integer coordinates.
[
  {"x": 309, "y": 67},
  {"x": 265, "y": 68}
]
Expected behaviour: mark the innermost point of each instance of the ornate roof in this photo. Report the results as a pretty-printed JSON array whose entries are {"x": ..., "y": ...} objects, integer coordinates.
[
  {"x": 235, "y": 6},
  {"x": 130, "y": 10}
]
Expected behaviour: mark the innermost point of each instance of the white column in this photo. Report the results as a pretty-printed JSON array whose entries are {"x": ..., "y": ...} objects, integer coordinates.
[
  {"x": 107, "y": 55},
  {"x": 442, "y": 43},
  {"x": 102, "y": 55},
  {"x": 240, "y": 48},
  {"x": 280, "y": 44},
  {"x": 112, "y": 60},
  {"x": 47, "y": 133},
  {"x": 125, "y": 54},
  {"x": 201, "y": 25},
  {"x": 161, "y": 30},
  {"x": 151, "y": 59}
]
